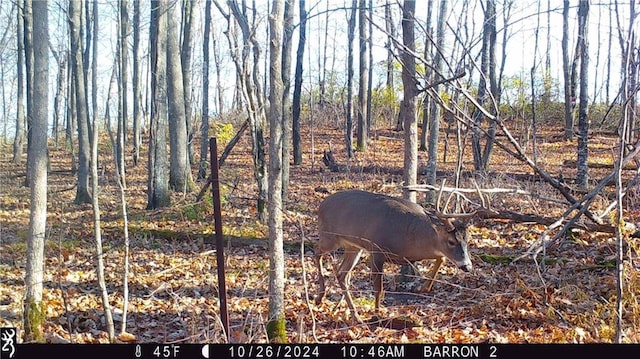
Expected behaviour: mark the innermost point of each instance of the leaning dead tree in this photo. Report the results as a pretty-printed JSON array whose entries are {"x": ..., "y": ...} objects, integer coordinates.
[{"x": 577, "y": 207}]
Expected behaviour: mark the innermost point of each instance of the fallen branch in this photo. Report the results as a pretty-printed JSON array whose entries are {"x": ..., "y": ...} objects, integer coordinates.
[
  {"x": 574, "y": 164},
  {"x": 487, "y": 213},
  {"x": 427, "y": 188}
]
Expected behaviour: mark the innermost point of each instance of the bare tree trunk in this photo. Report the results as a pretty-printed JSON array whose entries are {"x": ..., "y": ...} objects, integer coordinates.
[
  {"x": 19, "y": 138},
  {"x": 28, "y": 57},
  {"x": 248, "y": 75},
  {"x": 287, "y": 43},
  {"x": 179, "y": 171},
  {"x": 547, "y": 63},
  {"x": 608, "y": 80},
  {"x": 583, "y": 120},
  {"x": 566, "y": 72},
  {"x": 434, "y": 123},
  {"x": 204, "y": 122},
  {"x": 158, "y": 183},
  {"x": 60, "y": 94},
  {"x": 426, "y": 102},
  {"x": 84, "y": 146},
  {"x": 490, "y": 26},
  {"x": 390, "y": 29},
  {"x": 408, "y": 107},
  {"x": 532, "y": 74},
  {"x": 5, "y": 107},
  {"x": 297, "y": 86},
  {"x": 487, "y": 73},
  {"x": 123, "y": 55},
  {"x": 620, "y": 231},
  {"x": 5, "y": 118},
  {"x": 185, "y": 58},
  {"x": 218, "y": 64},
  {"x": 597, "y": 64},
  {"x": 276, "y": 325},
  {"x": 95, "y": 189},
  {"x": 370, "y": 68},
  {"x": 71, "y": 116},
  {"x": 137, "y": 96},
  {"x": 630, "y": 69},
  {"x": 350, "y": 35},
  {"x": 34, "y": 308},
  {"x": 125, "y": 264},
  {"x": 322, "y": 62},
  {"x": 363, "y": 70},
  {"x": 98, "y": 234}
]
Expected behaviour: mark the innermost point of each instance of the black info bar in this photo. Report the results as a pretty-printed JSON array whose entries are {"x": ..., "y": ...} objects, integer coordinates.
[{"x": 324, "y": 351}]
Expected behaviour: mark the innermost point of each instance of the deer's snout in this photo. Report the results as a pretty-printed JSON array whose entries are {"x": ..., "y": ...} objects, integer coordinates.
[
  {"x": 465, "y": 265},
  {"x": 468, "y": 267}
]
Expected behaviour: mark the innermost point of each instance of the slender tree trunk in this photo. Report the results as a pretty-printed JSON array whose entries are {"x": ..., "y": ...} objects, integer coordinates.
[
  {"x": 597, "y": 64},
  {"x": 5, "y": 118},
  {"x": 363, "y": 70},
  {"x": 122, "y": 90},
  {"x": 608, "y": 79},
  {"x": 34, "y": 308},
  {"x": 547, "y": 63},
  {"x": 350, "y": 35},
  {"x": 370, "y": 69},
  {"x": 84, "y": 146},
  {"x": 71, "y": 118},
  {"x": 487, "y": 73},
  {"x": 179, "y": 171},
  {"x": 297, "y": 86},
  {"x": 408, "y": 107},
  {"x": 3, "y": 72},
  {"x": 506, "y": 15},
  {"x": 583, "y": 120},
  {"x": 97, "y": 231},
  {"x": 158, "y": 183},
  {"x": 185, "y": 58},
  {"x": 532, "y": 77},
  {"x": 490, "y": 24},
  {"x": 429, "y": 74},
  {"x": 60, "y": 94},
  {"x": 287, "y": 43},
  {"x": 19, "y": 138},
  {"x": 566, "y": 72},
  {"x": 218, "y": 64},
  {"x": 322, "y": 62},
  {"x": 204, "y": 122},
  {"x": 391, "y": 34},
  {"x": 628, "y": 110},
  {"x": 434, "y": 123},
  {"x": 631, "y": 68},
  {"x": 276, "y": 325},
  {"x": 137, "y": 96},
  {"x": 28, "y": 57},
  {"x": 248, "y": 73}
]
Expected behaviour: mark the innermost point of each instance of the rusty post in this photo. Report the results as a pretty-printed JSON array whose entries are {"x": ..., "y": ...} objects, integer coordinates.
[{"x": 217, "y": 215}]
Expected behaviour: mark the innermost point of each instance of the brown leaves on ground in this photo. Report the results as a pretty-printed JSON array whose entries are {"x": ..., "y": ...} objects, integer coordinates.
[{"x": 568, "y": 296}]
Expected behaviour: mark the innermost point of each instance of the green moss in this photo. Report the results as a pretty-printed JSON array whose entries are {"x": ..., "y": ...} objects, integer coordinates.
[
  {"x": 495, "y": 259},
  {"x": 34, "y": 316},
  {"x": 276, "y": 330}
]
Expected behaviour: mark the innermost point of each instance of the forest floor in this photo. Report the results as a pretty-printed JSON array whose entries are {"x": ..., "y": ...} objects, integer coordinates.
[{"x": 568, "y": 295}]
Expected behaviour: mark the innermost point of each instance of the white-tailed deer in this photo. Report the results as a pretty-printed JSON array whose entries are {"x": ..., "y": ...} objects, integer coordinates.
[{"x": 390, "y": 229}]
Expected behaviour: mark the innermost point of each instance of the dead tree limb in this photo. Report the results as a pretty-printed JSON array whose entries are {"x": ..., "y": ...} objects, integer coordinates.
[{"x": 223, "y": 156}]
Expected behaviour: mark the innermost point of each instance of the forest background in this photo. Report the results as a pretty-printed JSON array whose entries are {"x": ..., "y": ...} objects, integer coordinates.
[{"x": 523, "y": 112}]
